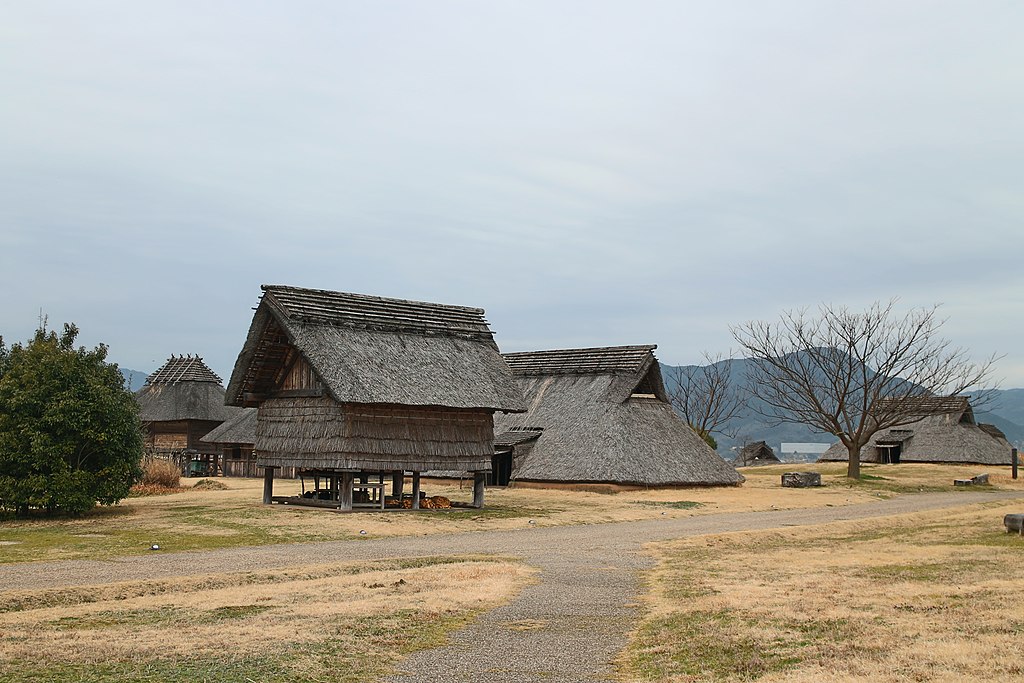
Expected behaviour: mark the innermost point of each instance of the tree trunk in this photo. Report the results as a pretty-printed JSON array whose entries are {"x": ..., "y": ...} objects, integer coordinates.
[{"x": 853, "y": 470}]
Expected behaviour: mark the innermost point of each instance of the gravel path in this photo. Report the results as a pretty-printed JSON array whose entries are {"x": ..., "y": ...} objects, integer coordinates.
[{"x": 568, "y": 627}]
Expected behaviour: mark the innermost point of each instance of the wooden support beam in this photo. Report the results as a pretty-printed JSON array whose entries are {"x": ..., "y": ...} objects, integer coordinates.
[
  {"x": 415, "y": 490},
  {"x": 479, "y": 478},
  {"x": 397, "y": 483},
  {"x": 346, "y": 491},
  {"x": 268, "y": 485}
]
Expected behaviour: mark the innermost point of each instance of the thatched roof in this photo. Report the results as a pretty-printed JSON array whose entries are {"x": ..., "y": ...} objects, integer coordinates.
[
  {"x": 240, "y": 429},
  {"x": 516, "y": 437},
  {"x": 184, "y": 388},
  {"x": 369, "y": 349},
  {"x": 605, "y": 418},
  {"x": 949, "y": 435},
  {"x": 759, "y": 453}
]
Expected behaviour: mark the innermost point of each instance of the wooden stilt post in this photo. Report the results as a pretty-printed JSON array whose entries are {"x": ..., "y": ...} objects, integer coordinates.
[
  {"x": 1013, "y": 461},
  {"x": 415, "y": 490},
  {"x": 268, "y": 485},
  {"x": 345, "y": 497},
  {"x": 478, "y": 488},
  {"x": 397, "y": 483}
]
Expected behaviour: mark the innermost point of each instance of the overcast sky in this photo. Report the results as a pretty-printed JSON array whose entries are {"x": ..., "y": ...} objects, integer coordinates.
[{"x": 590, "y": 173}]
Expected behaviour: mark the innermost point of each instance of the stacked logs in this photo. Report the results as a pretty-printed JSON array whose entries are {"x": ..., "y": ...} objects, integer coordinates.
[{"x": 431, "y": 503}]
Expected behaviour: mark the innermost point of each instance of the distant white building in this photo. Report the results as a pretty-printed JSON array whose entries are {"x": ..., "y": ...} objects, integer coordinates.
[{"x": 816, "y": 448}]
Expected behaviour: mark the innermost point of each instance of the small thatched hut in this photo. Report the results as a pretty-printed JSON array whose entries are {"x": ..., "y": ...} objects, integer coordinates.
[
  {"x": 600, "y": 416},
  {"x": 946, "y": 433},
  {"x": 237, "y": 440},
  {"x": 179, "y": 404},
  {"x": 753, "y": 454},
  {"x": 350, "y": 386}
]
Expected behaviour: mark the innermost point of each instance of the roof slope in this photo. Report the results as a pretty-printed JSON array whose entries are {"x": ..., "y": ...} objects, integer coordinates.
[
  {"x": 239, "y": 429},
  {"x": 951, "y": 436},
  {"x": 370, "y": 349},
  {"x": 183, "y": 369},
  {"x": 184, "y": 388},
  {"x": 604, "y": 420}
]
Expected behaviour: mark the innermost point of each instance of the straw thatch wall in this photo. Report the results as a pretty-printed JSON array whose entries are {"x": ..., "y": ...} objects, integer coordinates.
[{"x": 319, "y": 432}]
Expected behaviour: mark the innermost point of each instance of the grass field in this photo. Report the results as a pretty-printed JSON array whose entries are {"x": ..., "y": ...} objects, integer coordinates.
[
  {"x": 208, "y": 519},
  {"x": 341, "y": 622},
  {"x": 926, "y": 597}
]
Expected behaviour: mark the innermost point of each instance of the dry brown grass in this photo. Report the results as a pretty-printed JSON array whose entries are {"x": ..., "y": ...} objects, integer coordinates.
[
  {"x": 159, "y": 472},
  {"x": 926, "y": 597},
  {"x": 202, "y": 519},
  {"x": 291, "y": 623}
]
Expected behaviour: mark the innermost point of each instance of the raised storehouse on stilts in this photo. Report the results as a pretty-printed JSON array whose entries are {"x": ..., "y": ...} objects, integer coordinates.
[
  {"x": 600, "y": 416},
  {"x": 754, "y": 454},
  {"x": 946, "y": 432},
  {"x": 351, "y": 388},
  {"x": 179, "y": 404}
]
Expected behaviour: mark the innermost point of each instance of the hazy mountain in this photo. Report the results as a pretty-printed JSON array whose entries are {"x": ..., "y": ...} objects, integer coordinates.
[
  {"x": 1005, "y": 411},
  {"x": 134, "y": 378}
]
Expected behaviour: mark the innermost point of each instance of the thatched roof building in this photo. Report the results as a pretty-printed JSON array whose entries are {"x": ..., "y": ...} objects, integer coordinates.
[
  {"x": 180, "y": 403},
  {"x": 753, "y": 454},
  {"x": 601, "y": 416},
  {"x": 237, "y": 440},
  {"x": 946, "y": 433},
  {"x": 238, "y": 431},
  {"x": 355, "y": 383}
]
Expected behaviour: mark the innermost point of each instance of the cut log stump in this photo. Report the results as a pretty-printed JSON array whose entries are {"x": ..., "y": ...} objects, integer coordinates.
[{"x": 801, "y": 480}]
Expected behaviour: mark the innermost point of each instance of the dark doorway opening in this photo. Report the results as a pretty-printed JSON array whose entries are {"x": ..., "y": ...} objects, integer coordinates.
[
  {"x": 501, "y": 469},
  {"x": 889, "y": 453}
]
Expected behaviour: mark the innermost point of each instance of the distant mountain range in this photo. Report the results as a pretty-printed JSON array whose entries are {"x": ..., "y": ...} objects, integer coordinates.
[
  {"x": 1005, "y": 411},
  {"x": 135, "y": 379}
]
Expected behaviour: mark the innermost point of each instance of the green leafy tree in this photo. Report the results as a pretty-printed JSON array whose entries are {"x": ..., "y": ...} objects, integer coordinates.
[{"x": 70, "y": 435}]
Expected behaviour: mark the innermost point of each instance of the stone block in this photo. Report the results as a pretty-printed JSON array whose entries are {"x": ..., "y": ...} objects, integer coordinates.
[
  {"x": 801, "y": 480},
  {"x": 1014, "y": 522}
]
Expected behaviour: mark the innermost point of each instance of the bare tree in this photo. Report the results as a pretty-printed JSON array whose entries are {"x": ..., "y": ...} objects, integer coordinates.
[
  {"x": 854, "y": 374},
  {"x": 705, "y": 395}
]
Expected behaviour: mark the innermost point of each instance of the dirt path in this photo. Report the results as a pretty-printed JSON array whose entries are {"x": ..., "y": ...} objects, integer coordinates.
[{"x": 567, "y": 627}]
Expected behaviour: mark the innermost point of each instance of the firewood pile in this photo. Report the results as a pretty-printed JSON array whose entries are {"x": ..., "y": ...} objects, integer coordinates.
[{"x": 429, "y": 503}]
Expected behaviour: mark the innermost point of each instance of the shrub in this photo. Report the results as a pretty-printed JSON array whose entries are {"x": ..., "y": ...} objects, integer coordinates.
[
  {"x": 70, "y": 435},
  {"x": 160, "y": 472}
]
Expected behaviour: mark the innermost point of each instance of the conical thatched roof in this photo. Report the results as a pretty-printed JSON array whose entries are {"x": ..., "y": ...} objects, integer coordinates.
[
  {"x": 240, "y": 429},
  {"x": 184, "y": 388},
  {"x": 759, "y": 453},
  {"x": 601, "y": 415},
  {"x": 947, "y": 433},
  {"x": 373, "y": 350}
]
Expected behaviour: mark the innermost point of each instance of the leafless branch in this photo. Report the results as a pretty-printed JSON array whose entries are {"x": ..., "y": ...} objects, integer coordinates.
[
  {"x": 706, "y": 395},
  {"x": 852, "y": 374}
]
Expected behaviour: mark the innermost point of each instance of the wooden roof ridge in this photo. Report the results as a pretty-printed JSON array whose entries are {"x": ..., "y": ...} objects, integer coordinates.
[
  {"x": 928, "y": 405},
  {"x": 325, "y": 307},
  {"x": 186, "y": 368},
  {"x": 600, "y": 360}
]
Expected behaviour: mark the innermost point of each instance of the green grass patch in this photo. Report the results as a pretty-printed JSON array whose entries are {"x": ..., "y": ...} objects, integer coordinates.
[{"x": 708, "y": 645}]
